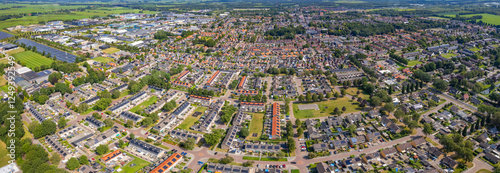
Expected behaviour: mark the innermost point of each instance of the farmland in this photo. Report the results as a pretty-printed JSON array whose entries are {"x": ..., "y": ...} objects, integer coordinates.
[{"x": 32, "y": 59}]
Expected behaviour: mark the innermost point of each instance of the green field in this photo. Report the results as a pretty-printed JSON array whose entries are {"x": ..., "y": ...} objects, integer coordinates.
[
  {"x": 32, "y": 59},
  {"x": 413, "y": 63},
  {"x": 28, "y": 8},
  {"x": 190, "y": 120},
  {"x": 139, "y": 164},
  {"x": 12, "y": 52},
  {"x": 475, "y": 49},
  {"x": 256, "y": 126},
  {"x": 144, "y": 104},
  {"x": 326, "y": 108},
  {"x": 27, "y": 20},
  {"x": 354, "y": 90},
  {"x": 110, "y": 50},
  {"x": 103, "y": 59},
  {"x": 487, "y": 18},
  {"x": 4, "y": 159},
  {"x": 449, "y": 55}
]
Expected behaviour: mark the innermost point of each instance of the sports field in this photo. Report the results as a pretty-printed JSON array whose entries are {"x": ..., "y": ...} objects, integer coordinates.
[{"x": 32, "y": 59}]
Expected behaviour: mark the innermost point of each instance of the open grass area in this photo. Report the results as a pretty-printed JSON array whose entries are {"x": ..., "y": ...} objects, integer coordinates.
[
  {"x": 449, "y": 55},
  {"x": 103, "y": 59},
  {"x": 32, "y": 59},
  {"x": 326, "y": 108},
  {"x": 28, "y": 8},
  {"x": 414, "y": 63},
  {"x": 475, "y": 49},
  {"x": 190, "y": 120},
  {"x": 144, "y": 104},
  {"x": 483, "y": 171},
  {"x": 110, "y": 50},
  {"x": 354, "y": 90},
  {"x": 4, "y": 158},
  {"x": 138, "y": 164},
  {"x": 12, "y": 52},
  {"x": 256, "y": 126}
]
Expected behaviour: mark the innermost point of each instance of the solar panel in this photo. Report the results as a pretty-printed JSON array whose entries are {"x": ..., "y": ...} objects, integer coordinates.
[
  {"x": 4, "y": 35},
  {"x": 60, "y": 55}
]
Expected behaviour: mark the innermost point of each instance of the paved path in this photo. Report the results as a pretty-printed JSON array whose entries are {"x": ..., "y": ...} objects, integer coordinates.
[{"x": 479, "y": 164}]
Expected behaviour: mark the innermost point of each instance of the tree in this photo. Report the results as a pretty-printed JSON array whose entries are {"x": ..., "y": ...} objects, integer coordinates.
[
  {"x": 399, "y": 114},
  {"x": 115, "y": 94},
  {"x": 291, "y": 144},
  {"x": 62, "y": 122},
  {"x": 102, "y": 149},
  {"x": 301, "y": 98},
  {"x": 132, "y": 136},
  {"x": 96, "y": 115},
  {"x": 55, "y": 158},
  {"x": 352, "y": 129},
  {"x": 72, "y": 164},
  {"x": 427, "y": 129},
  {"x": 389, "y": 107},
  {"x": 343, "y": 92},
  {"x": 129, "y": 124},
  {"x": 188, "y": 144},
  {"x": 440, "y": 84},
  {"x": 214, "y": 137},
  {"x": 146, "y": 122},
  {"x": 343, "y": 109},
  {"x": 300, "y": 131},
  {"x": 336, "y": 111},
  {"x": 121, "y": 144},
  {"x": 464, "y": 131},
  {"x": 280, "y": 154},
  {"x": 226, "y": 160},
  {"x": 309, "y": 97},
  {"x": 375, "y": 101},
  {"x": 314, "y": 97},
  {"x": 248, "y": 163},
  {"x": 83, "y": 160},
  {"x": 109, "y": 122},
  {"x": 244, "y": 132},
  {"x": 298, "y": 123}
]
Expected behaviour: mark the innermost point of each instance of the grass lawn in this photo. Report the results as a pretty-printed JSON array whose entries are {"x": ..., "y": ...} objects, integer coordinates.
[
  {"x": 326, "y": 108},
  {"x": 354, "y": 90},
  {"x": 103, "y": 59},
  {"x": 414, "y": 63},
  {"x": 32, "y": 59},
  {"x": 483, "y": 171},
  {"x": 295, "y": 171},
  {"x": 475, "y": 49},
  {"x": 123, "y": 94},
  {"x": 139, "y": 164},
  {"x": 256, "y": 126},
  {"x": 12, "y": 52},
  {"x": 190, "y": 120},
  {"x": 110, "y": 50},
  {"x": 448, "y": 55},
  {"x": 4, "y": 159},
  {"x": 144, "y": 104}
]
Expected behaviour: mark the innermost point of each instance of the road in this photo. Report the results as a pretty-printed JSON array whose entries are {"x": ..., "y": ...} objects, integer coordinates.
[{"x": 479, "y": 164}]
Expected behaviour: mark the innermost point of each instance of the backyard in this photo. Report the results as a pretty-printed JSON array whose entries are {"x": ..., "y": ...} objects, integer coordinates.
[
  {"x": 326, "y": 108},
  {"x": 144, "y": 104},
  {"x": 256, "y": 126},
  {"x": 137, "y": 163},
  {"x": 190, "y": 120},
  {"x": 102, "y": 59}
]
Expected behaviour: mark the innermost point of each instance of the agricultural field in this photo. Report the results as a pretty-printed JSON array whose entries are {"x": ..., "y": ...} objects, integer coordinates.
[
  {"x": 487, "y": 18},
  {"x": 27, "y": 20},
  {"x": 326, "y": 108},
  {"x": 31, "y": 8},
  {"x": 110, "y": 50},
  {"x": 256, "y": 126},
  {"x": 32, "y": 59},
  {"x": 12, "y": 52}
]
